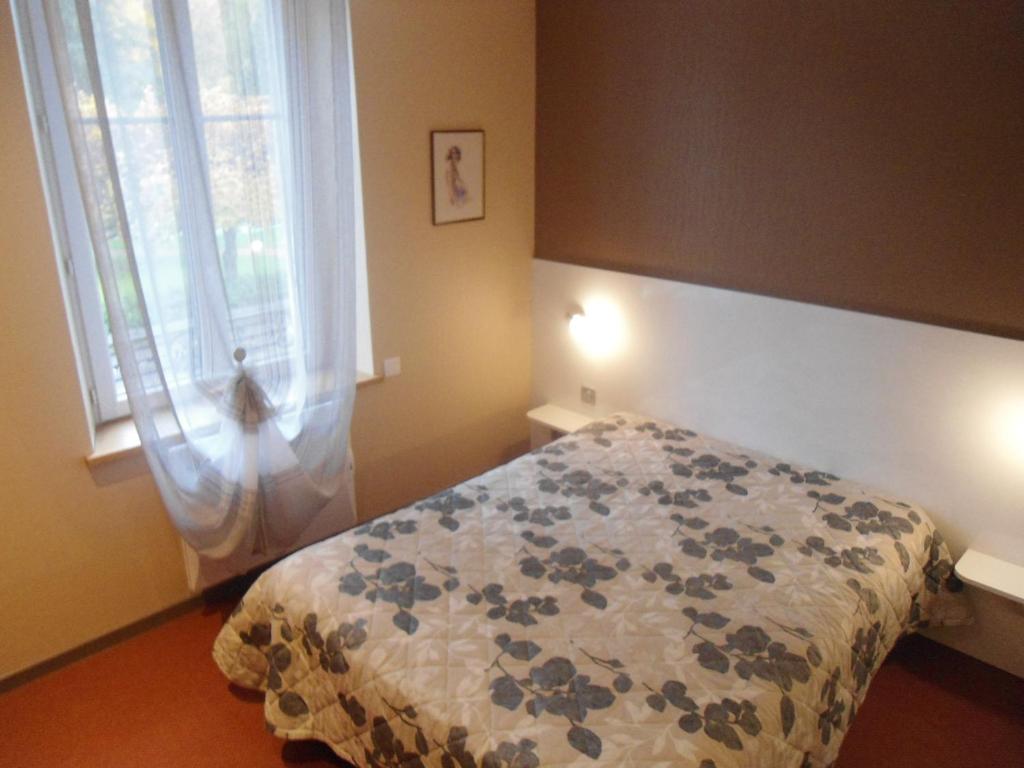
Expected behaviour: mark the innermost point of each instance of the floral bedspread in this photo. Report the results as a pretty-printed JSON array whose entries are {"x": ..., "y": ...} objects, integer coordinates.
[{"x": 632, "y": 594}]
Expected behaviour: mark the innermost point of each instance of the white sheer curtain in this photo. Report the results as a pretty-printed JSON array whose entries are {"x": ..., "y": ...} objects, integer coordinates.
[{"x": 213, "y": 147}]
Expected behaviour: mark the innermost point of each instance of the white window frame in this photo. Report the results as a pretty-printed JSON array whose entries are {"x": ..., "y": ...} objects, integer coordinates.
[{"x": 70, "y": 232}]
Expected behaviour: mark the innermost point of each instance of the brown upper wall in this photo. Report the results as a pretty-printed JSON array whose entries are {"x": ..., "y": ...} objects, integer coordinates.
[{"x": 865, "y": 155}]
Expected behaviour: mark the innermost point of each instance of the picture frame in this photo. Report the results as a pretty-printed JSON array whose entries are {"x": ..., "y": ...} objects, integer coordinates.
[{"x": 457, "y": 175}]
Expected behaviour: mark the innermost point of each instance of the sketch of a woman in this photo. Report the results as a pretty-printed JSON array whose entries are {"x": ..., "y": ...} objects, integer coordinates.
[{"x": 458, "y": 195}]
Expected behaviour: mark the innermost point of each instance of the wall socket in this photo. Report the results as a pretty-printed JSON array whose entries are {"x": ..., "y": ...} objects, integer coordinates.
[{"x": 588, "y": 395}]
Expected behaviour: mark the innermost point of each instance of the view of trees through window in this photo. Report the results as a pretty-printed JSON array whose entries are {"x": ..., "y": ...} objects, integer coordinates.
[{"x": 242, "y": 131}]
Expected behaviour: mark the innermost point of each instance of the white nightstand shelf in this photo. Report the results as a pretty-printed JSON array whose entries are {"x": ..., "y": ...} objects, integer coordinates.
[
  {"x": 992, "y": 574},
  {"x": 549, "y": 422}
]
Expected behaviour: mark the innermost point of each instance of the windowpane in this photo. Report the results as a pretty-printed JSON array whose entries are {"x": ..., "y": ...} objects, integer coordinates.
[
  {"x": 244, "y": 151},
  {"x": 242, "y": 130},
  {"x": 133, "y": 96}
]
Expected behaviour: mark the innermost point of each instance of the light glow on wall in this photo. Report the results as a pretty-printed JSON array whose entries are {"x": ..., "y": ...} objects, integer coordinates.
[
  {"x": 598, "y": 329},
  {"x": 1008, "y": 428}
]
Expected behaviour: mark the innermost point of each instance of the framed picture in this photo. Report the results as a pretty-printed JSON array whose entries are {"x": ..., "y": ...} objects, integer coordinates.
[{"x": 458, "y": 175}]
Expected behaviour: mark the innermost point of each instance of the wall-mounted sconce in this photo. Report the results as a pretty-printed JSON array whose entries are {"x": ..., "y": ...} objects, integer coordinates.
[
  {"x": 597, "y": 328},
  {"x": 578, "y": 324}
]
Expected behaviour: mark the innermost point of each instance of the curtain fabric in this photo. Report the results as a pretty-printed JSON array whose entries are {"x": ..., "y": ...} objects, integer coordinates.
[{"x": 212, "y": 141}]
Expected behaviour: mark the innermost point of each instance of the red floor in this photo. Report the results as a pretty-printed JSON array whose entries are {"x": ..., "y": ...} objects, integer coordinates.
[
  {"x": 158, "y": 700},
  {"x": 932, "y": 707}
]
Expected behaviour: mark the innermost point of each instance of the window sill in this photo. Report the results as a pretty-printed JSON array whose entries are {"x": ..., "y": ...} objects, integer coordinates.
[{"x": 116, "y": 440}]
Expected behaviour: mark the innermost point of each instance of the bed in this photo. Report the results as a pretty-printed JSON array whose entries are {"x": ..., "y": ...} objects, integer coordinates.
[{"x": 634, "y": 594}]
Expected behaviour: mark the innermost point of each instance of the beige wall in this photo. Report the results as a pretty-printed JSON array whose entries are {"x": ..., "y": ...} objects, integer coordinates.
[
  {"x": 452, "y": 301},
  {"x": 78, "y": 559}
]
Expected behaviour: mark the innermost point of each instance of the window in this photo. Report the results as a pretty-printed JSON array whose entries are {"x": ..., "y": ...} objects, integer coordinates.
[{"x": 232, "y": 81}]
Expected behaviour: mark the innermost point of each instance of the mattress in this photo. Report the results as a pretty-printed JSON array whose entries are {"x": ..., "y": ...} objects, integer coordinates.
[{"x": 632, "y": 594}]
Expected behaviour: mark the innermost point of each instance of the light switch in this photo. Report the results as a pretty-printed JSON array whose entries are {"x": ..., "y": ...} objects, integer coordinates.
[{"x": 392, "y": 366}]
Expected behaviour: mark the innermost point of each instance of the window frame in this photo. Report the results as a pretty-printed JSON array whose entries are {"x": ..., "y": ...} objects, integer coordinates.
[{"x": 68, "y": 225}]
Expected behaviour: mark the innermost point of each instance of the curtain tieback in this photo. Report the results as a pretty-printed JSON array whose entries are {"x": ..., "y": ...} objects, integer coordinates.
[{"x": 245, "y": 401}]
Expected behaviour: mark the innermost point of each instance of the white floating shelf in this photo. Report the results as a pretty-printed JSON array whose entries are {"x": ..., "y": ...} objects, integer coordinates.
[
  {"x": 992, "y": 574},
  {"x": 559, "y": 419}
]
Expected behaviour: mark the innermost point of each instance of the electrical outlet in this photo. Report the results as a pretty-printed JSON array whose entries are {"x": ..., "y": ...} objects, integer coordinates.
[
  {"x": 392, "y": 367},
  {"x": 588, "y": 395}
]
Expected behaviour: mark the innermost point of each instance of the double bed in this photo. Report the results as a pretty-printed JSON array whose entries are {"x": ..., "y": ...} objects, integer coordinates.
[{"x": 632, "y": 594}]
